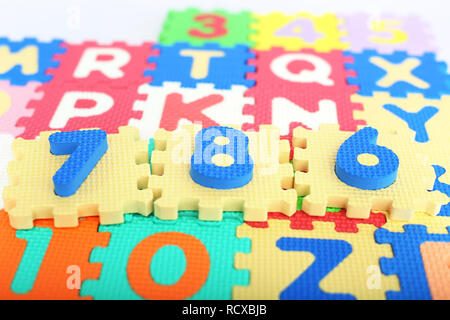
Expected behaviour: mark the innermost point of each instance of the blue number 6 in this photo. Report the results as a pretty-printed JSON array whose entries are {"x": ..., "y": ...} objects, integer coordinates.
[{"x": 380, "y": 173}]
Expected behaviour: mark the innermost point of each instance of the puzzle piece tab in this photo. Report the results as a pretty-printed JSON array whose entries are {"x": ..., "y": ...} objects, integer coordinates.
[{"x": 117, "y": 185}]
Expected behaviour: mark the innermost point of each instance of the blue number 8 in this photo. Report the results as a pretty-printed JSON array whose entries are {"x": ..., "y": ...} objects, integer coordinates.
[{"x": 221, "y": 159}]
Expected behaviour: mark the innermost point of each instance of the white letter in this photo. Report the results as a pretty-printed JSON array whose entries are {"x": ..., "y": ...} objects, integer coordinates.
[
  {"x": 110, "y": 67},
  {"x": 66, "y": 108},
  {"x": 320, "y": 74}
]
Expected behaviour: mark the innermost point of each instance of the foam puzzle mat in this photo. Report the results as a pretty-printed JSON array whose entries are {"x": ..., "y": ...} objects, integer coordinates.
[{"x": 145, "y": 221}]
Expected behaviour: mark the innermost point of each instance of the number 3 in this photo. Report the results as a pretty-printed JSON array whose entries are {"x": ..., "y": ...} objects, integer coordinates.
[{"x": 215, "y": 22}]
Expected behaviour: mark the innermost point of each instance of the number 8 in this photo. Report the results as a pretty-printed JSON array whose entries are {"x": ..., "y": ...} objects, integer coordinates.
[{"x": 221, "y": 159}]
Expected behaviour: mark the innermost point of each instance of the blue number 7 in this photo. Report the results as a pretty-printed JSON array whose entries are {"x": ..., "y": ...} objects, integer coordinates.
[{"x": 86, "y": 148}]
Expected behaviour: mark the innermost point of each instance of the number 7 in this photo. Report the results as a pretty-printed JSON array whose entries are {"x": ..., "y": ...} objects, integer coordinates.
[{"x": 86, "y": 148}]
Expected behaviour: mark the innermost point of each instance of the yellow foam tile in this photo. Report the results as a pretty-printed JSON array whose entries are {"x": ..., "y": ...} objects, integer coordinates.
[
  {"x": 174, "y": 189},
  {"x": 315, "y": 178},
  {"x": 118, "y": 184},
  {"x": 272, "y": 270}
]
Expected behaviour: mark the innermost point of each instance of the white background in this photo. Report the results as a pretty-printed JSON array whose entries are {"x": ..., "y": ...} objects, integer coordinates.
[{"x": 135, "y": 21}]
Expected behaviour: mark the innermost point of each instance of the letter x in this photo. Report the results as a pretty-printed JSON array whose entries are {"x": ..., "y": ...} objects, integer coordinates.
[{"x": 396, "y": 72}]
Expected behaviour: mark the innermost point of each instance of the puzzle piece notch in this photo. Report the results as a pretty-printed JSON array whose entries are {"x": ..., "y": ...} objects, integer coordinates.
[
  {"x": 314, "y": 158},
  {"x": 300, "y": 220},
  {"x": 271, "y": 174},
  {"x": 118, "y": 184}
]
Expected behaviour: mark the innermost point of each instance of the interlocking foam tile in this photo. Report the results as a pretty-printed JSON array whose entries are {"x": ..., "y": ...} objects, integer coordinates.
[
  {"x": 314, "y": 162},
  {"x": 327, "y": 264},
  {"x": 387, "y": 33},
  {"x": 153, "y": 274},
  {"x": 426, "y": 118},
  {"x": 38, "y": 259},
  {"x": 175, "y": 190},
  {"x": 297, "y": 31},
  {"x": 407, "y": 262},
  {"x": 117, "y": 185},
  {"x": 305, "y": 87},
  {"x": 28, "y": 60},
  {"x": 5, "y": 156},
  {"x": 118, "y": 64},
  {"x": 13, "y": 102},
  {"x": 73, "y": 106},
  {"x": 302, "y": 221},
  {"x": 170, "y": 106},
  {"x": 398, "y": 73},
  {"x": 197, "y": 27},
  {"x": 209, "y": 63},
  {"x": 436, "y": 260}
]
